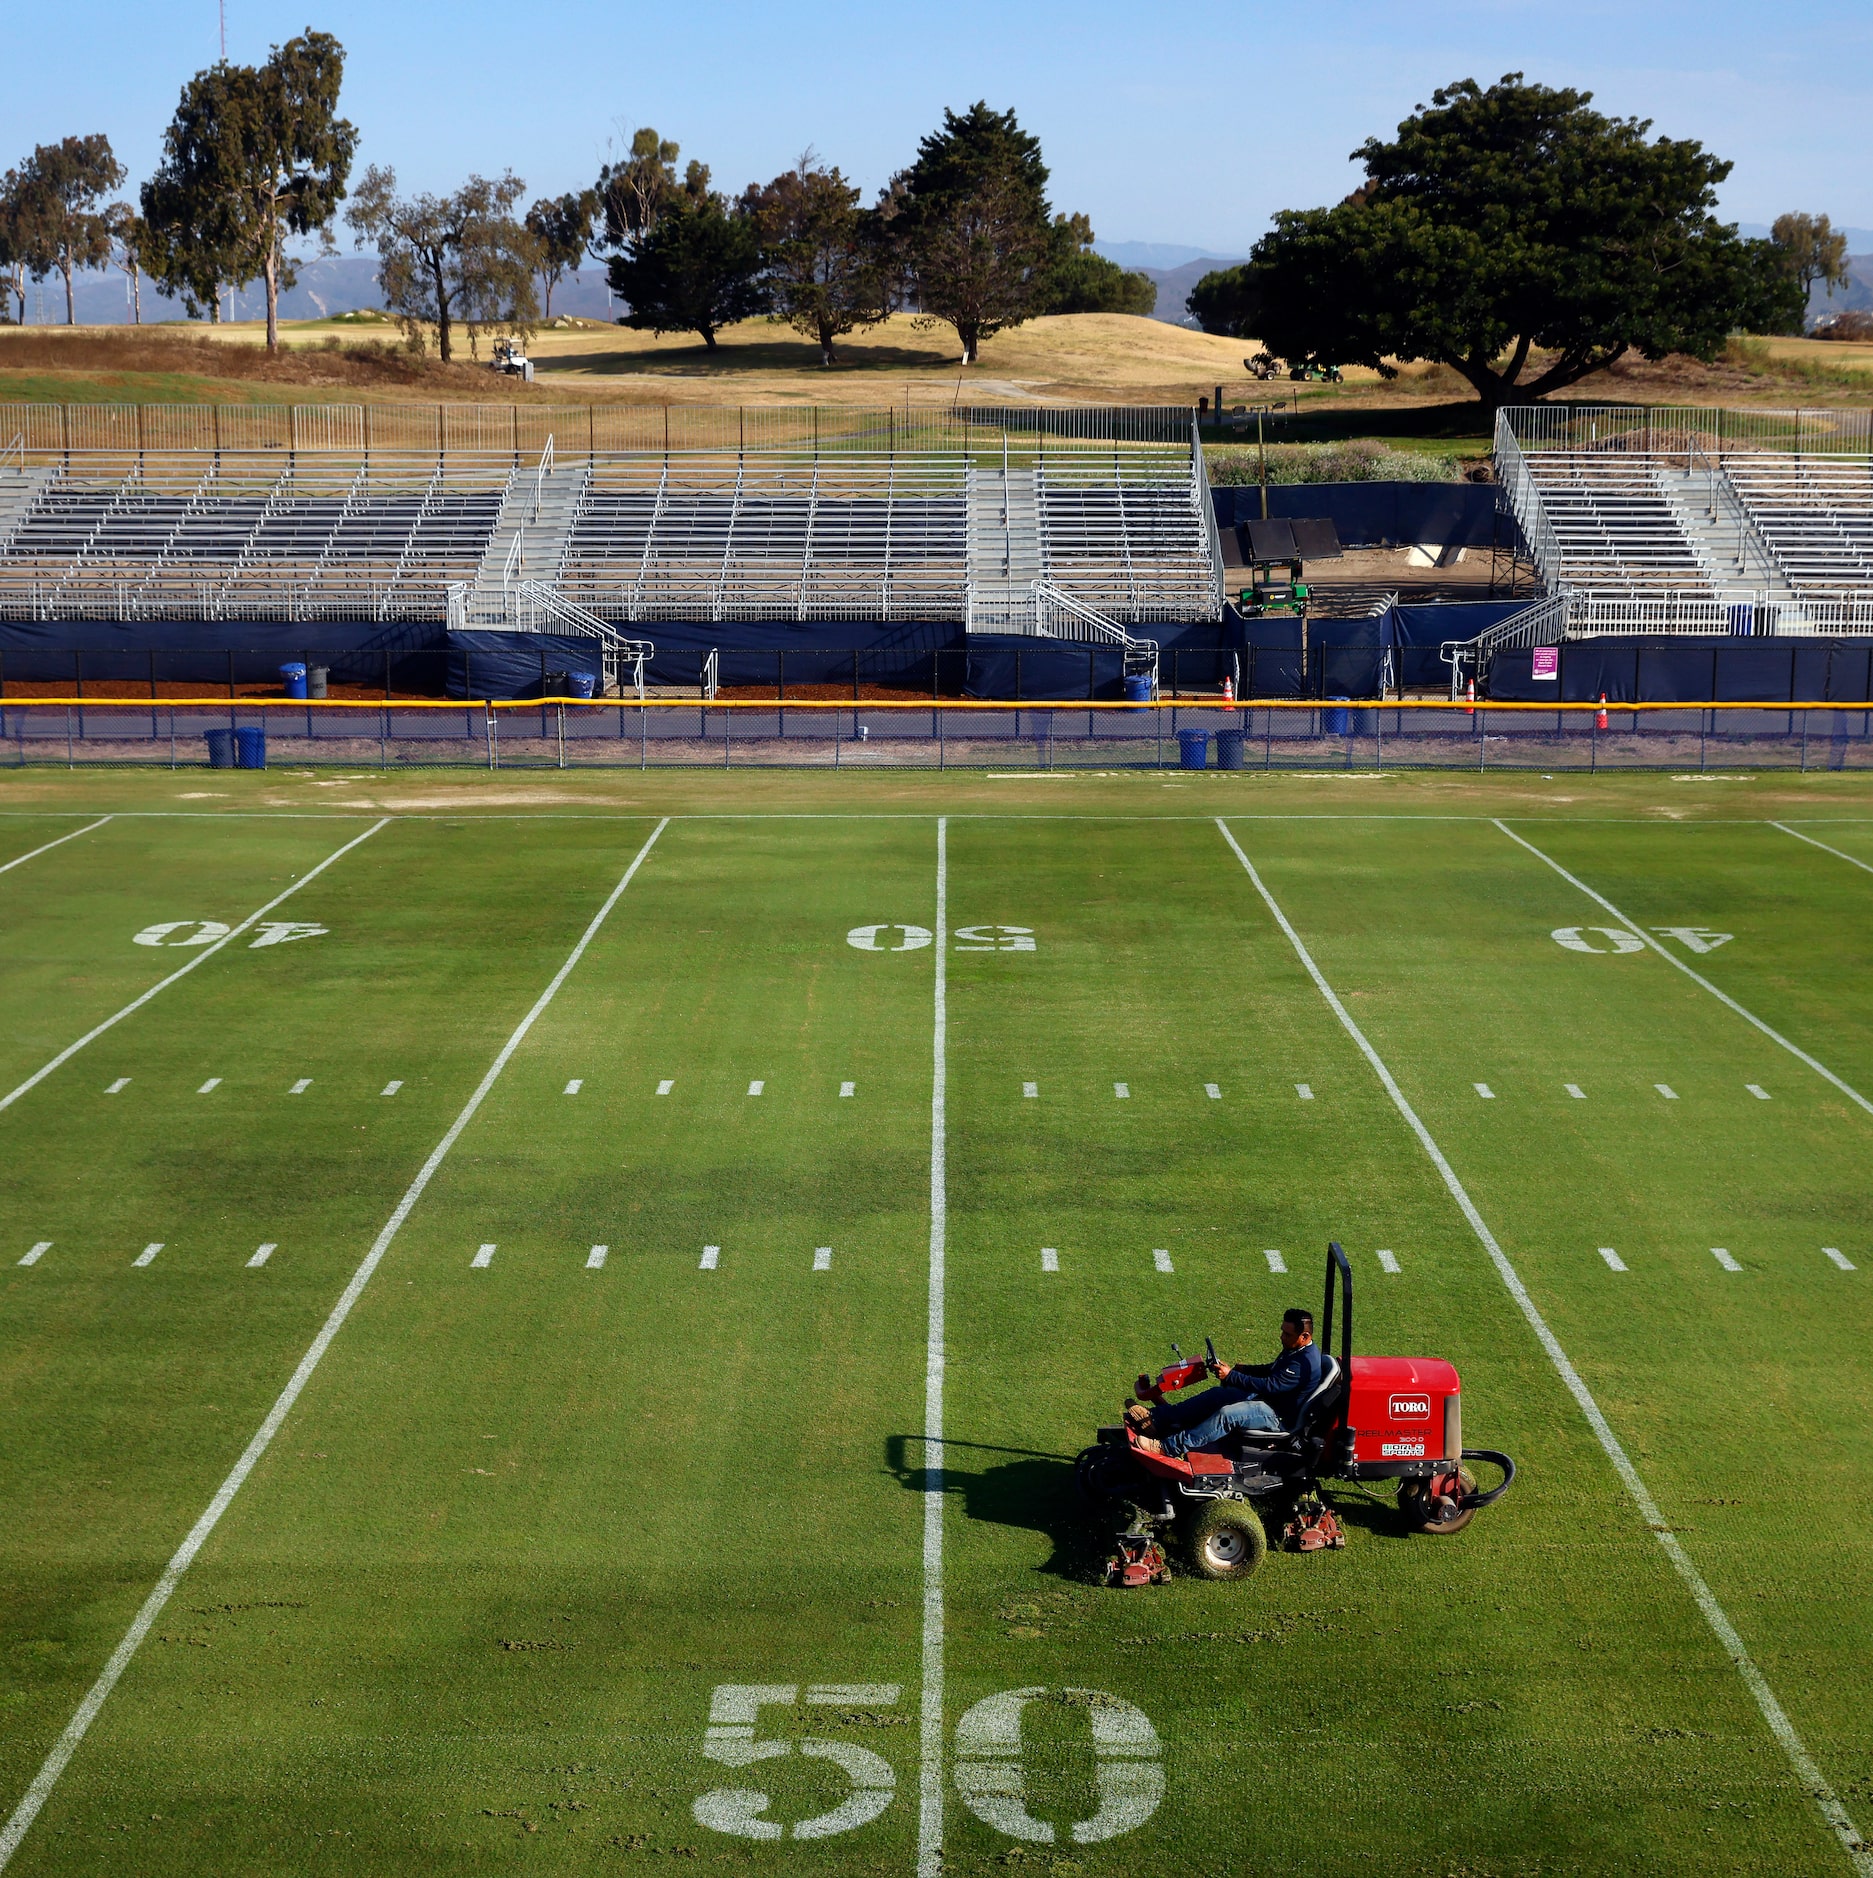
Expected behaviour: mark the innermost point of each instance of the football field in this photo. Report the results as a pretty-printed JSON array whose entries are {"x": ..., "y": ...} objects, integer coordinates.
[{"x": 549, "y": 1332}]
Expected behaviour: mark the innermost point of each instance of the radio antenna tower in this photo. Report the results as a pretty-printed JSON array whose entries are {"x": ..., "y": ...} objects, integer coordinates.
[{"x": 223, "y": 4}]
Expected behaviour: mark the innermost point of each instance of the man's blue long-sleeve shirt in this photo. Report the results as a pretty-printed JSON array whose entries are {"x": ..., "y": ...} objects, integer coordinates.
[{"x": 1284, "y": 1384}]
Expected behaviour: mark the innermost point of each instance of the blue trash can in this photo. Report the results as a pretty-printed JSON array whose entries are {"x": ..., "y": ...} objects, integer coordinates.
[
  {"x": 1138, "y": 688},
  {"x": 220, "y": 749},
  {"x": 295, "y": 677},
  {"x": 584, "y": 684},
  {"x": 1336, "y": 720},
  {"x": 1229, "y": 749},
  {"x": 250, "y": 747},
  {"x": 1193, "y": 749}
]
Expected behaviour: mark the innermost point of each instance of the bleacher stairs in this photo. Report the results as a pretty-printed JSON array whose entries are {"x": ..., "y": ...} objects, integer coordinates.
[
  {"x": 1729, "y": 550},
  {"x": 1005, "y": 551},
  {"x": 529, "y": 542},
  {"x": 20, "y": 490}
]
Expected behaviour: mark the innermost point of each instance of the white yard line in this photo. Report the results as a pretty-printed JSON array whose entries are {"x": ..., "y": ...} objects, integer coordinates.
[
  {"x": 1785, "y": 828},
  {"x": 1758, "y": 1091},
  {"x": 66, "y": 1746},
  {"x": 391, "y": 1088},
  {"x": 1213, "y": 1091},
  {"x": 1697, "y": 978},
  {"x": 301, "y": 1086},
  {"x": 263, "y": 1253},
  {"x": 148, "y": 1255},
  {"x": 1388, "y": 1262},
  {"x": 930, "y": 1764},
  {"x": 1277, "y": 1265},
  {"x": 664, "y": 1087},
  {"x": 21, "y": 859},
  {"x": 484, "y": 1257},
  {"x": 822, "y": 1258},
  {"x": 1304, "y": 1091},
  {"x": 1666, "y": 1090},
  {"x": 595, "y": 1259},
  {"x": 1724, "y": 1259},
  {"x": 1031, "y": 1090},
  {"x": 1122, "y": 1091},
  {"x": 1833, "y": 1252},
  {"x": 1161, "y": 1260},
  {"x": 45, "y": 1245},
  {"x": 1050, "y": 1259},
  {"x": 201, "y": 958},
  {"x": 1485, "y": 1091},
  {"x": 1807, "y": 1773},
  {"x": 1575, "y": 1090},
  {"x": 711, "y": 1255},
  {"x": 576, "y": 1084},
  {"x": 848, "y": 1088},
  {"x": 755, "y": 1088}
]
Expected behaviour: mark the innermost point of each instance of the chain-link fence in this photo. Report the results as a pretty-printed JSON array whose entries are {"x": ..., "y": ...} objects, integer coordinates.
[{"x": 658, "y": 734}]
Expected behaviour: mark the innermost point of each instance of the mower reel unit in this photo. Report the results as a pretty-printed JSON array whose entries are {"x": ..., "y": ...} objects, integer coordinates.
[{"x": 1370, "y": 1418}]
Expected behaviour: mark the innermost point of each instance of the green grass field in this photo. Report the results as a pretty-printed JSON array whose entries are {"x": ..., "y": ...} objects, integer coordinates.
[{"x": 533, "y": 1507}]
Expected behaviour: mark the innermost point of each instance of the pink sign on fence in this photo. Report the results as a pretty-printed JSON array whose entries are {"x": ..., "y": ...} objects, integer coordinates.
[{"x": 1547, "y": 662}]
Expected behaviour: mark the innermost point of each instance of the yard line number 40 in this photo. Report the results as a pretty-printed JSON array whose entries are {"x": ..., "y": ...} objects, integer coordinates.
[{"x": 1128, "y": 1777}]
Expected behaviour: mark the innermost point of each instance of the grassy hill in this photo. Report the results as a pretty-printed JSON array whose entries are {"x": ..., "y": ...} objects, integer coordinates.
[{"x": 1091, "y": 358}]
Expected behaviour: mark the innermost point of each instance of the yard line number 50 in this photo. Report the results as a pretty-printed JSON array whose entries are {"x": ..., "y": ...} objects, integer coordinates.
[{"x": 1128, "y": 1777}]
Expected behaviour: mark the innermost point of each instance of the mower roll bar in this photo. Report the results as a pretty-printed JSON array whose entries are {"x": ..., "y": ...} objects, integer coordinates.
[{"x": 1336, "y": 1256}]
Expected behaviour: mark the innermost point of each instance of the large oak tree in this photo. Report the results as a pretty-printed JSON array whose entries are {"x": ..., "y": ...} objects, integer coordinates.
[{"x": 1499, "y": 224}]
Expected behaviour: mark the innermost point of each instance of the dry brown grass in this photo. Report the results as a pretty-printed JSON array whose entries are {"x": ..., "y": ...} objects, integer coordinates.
[
  {"x": 325, "y": 362},
  {"x": 1090, "y": 358}
]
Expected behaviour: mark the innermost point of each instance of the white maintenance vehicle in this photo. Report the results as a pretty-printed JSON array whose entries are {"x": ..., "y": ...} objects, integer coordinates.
[{"x": 511, "y": 361}]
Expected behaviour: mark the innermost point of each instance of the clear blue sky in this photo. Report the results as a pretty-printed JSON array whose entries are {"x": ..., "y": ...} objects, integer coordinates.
[{"x": 1167, "y": 122}]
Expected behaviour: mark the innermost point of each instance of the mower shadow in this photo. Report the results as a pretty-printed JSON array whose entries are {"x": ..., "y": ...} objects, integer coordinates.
[
  {"x": 1036, "y": 1492},
  {"x": 1031, "y": 1491}
]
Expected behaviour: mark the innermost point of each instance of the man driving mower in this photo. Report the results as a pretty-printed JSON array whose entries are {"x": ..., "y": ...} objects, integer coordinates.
[{"x": 1263, "y": 1397}]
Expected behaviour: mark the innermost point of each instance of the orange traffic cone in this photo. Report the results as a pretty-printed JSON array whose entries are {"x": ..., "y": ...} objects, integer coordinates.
[
  {"x": 1599, "y": 717},
  {"x": 1229, "y": 690},
  {"x": 1469, "y": 707}
]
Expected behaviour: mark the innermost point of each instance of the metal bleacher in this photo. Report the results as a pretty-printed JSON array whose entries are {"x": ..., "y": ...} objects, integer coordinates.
[
  {"x": 1075, "y": 523},
  {"x": 1701, "y": 521},
  {"x": 172, "y": 538},
  {"x": 1613, "y": 526},
  {"x": 1815, "y": 514}
]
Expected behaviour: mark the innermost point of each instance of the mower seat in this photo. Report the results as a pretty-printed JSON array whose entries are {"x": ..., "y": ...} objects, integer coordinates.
[{"x": 1325, "y": 1398}]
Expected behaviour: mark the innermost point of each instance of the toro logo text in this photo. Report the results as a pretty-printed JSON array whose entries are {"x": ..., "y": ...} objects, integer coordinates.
[{"x": 1409, "y": 1408}]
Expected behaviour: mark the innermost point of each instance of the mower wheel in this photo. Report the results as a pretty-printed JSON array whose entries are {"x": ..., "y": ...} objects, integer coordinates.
[
  {"x": 1226, "y": 1540},
  {"x": 1420, "y": 1513},
  {"x": 1091, "y": 1473}
]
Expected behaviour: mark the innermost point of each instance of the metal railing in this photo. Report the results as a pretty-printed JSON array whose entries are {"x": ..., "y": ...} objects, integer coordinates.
[
  {"x": 1542, "y": 624},
  {"x": 1671, "y": 429},
  {"x": 520, "y": 431}
]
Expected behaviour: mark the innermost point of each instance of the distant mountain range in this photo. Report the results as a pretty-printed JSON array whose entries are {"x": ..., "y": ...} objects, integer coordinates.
[{"x": 327, "y": 285}]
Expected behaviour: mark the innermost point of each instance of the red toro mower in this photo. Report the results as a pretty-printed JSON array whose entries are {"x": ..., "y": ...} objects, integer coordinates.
[{"x": 1370, "y": 1418}]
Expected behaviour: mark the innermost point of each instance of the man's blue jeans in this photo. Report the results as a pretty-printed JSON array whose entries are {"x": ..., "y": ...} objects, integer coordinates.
[{"x": 1203, "y": 1421}]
